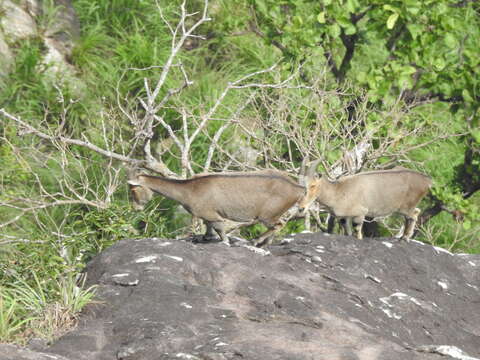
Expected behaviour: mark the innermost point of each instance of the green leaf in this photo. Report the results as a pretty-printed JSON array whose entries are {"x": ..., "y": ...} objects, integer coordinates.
[
  {"x": 466, "y": 95},
  {"x": 413, "y": 10},
  {"x": 392, "y": 19},
  {"x": 334, "y": 30},
  {"x": 350, "y": 30},
  {"x": 414, "y": 30},
  {"x": 450, "y": 41},
  {"x": 439, "y": 64},
  {"x": 321, "y": 17},
  {"x": 327, "y": 2},
  {"x": 467, "y": 224},
  {"x": 361, "y": 76},
  {"x": 442, "y": 8},
  {"x": 408, "y": 70},
  {"x": 476, "y": 135},
  {"x": 390, "y": 8},
  {"x": 352, "y": 5},
  {"x": 405, "y": 81},
  {"x": 344, "y": 22}
]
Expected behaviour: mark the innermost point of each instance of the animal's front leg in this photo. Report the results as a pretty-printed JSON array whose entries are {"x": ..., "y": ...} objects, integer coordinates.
[
  {"x": 410, "y": 222},
  {"x": 209, "y": 234},
  {"x": 267, "y": 237},
  {"x": 347, "y": 225},
  {"x": 219, "y": 227},
  {"x": 357, "y": 225}
]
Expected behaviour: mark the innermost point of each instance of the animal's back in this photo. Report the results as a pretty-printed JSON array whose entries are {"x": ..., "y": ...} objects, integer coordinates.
[
  {"x": 245, "y": 197},
  {"x": 386, "y": 191}
]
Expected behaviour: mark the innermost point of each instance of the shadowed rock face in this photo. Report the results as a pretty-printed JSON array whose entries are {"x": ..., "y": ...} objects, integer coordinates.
[{"x": 317, "y": 297}]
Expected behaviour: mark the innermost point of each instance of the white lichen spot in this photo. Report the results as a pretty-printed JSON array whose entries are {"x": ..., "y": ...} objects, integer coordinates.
[
  {"x": 472, "y": 263},
  {"x": 176, "y": 258},
  {"x": 221, "y": 344},
  {"x": 448, "y": 350},
  {"x": 166, "y": 243},
  {"x": 286, "y": 240},
  {"x": 439, "y": 250},
  {"x": 399, "y": 295},
  {"x": 442, "y": 284},
  {"x": 306, "y": 232},
  {"x": 120, "y": 275},
  {"x": 417, "y": 242},
  {"x": 256, "y": 250},
  {"x": 415, "y": 301},
  {"x": 387, "y": 244},
  {"x": 319, "y": 250},
  {"x": 185, "y": 305},
  {"x": 300, "y": 298},
  {"x": 472, "y": 286},
  {"x": 373, "y": 278},
  {"x": 145, "y": 259},
  {"x": 185, "y": 356},
  {"x": 391, "y": 314}
]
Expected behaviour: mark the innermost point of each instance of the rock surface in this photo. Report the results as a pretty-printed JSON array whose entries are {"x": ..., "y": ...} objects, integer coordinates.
[
  {"x": 56, "y": 25},
  {"x": 316, "y": 297}
]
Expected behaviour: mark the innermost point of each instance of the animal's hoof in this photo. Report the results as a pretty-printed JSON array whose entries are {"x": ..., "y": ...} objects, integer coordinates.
[
  {"x": 260, "y": 244},
  {"x": 208, "y": 239}
]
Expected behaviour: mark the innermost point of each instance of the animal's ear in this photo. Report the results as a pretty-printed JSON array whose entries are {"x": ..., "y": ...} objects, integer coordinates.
[{"x": 133, "y": 182}]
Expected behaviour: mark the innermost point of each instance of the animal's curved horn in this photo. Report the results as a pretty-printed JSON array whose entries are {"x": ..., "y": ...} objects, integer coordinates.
[
  {"x": 133, "y": 182},
  {"x": 303, "y": 171},
  {"x": 312, "y": 170}
]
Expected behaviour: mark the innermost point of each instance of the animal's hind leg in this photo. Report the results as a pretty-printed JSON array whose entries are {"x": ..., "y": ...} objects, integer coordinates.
[
  {"x": 410, "y": 222},
  {"x": 346, "y": 225},
  {"x": 209, "y": 234},
  {"x": 219, "y": 227},
  {"x": 267, "y": 236}
]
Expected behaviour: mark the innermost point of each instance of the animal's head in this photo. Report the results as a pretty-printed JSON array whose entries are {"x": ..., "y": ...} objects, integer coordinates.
[
  {"x": 311, "y": 193},
  {"x": 141, "y": 194}
]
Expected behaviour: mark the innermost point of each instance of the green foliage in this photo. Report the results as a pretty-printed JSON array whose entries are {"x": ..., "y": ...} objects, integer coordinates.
[
  {"x": 41, "y": 308},
  {"x": 11, "y": 319}
]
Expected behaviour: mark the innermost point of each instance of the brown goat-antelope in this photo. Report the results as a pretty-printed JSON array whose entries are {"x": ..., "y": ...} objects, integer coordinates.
[
  {"x": 242, "y": 198},
  {"x": 370, "y": 194}
]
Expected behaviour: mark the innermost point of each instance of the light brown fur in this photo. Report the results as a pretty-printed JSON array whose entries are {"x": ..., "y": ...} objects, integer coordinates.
[
  {"x": 371, "y": 194},
  {"x": 243, "y": 198}
]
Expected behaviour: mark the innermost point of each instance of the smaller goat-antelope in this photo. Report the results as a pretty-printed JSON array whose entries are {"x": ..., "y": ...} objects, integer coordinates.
[
  {"x": 242, "y": 198},
  {"x": 370, "y": 194}
]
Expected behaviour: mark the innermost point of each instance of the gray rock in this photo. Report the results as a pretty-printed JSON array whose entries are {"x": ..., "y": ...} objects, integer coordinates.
[
  {"x": 316, "y": 297},
  {"x": 16, "y": 22},
  {"x": 6, "y": 57},
  {"x": 11, "y": 352},
  {"x": 58, "y": 27}
]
